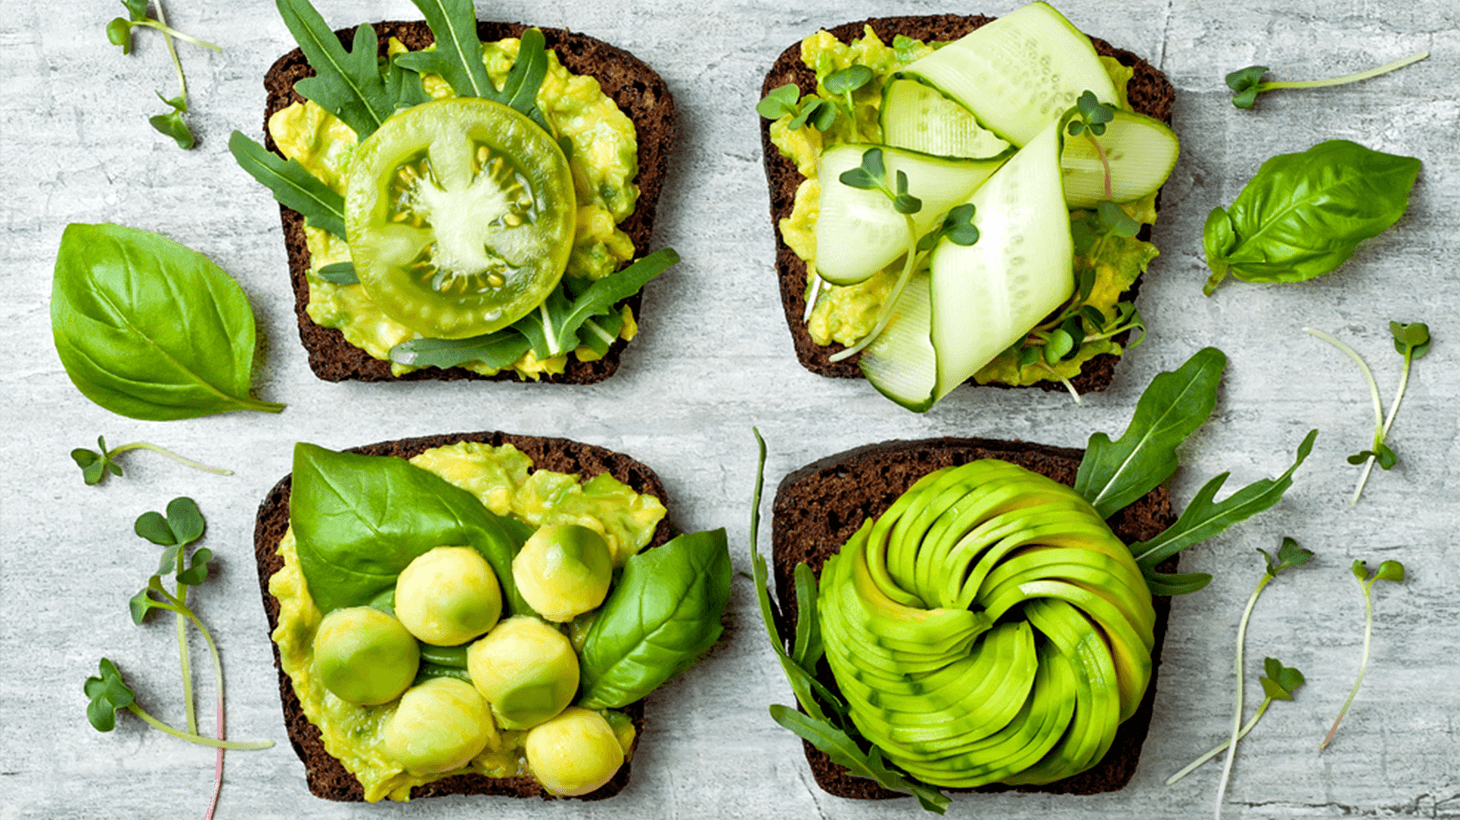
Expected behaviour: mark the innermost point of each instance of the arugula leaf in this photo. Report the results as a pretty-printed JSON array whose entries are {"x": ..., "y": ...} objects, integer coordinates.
[
  {"x": 519, "y": 91},
  {"x": 347, "y": 84},
  {"x": 458, "y": 54},
  {"x": 292, "y": 185},
  {"x": 1204, "y": 518},
  {"x": 553, "y": 327},
  {"x": 339, "y": 273},
  {"x": 840, "y": 747},
  {"x": 1113, "y": 475},
  {"x": 663, "y": 613},
  {"x": 1303, "y": 214},
  {"x": 499, "y": 350}
]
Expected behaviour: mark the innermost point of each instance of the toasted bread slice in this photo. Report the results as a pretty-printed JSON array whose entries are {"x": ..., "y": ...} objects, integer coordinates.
[
  {"x": 325, "y": 775},
  {"x": 1149, "y": 93},
  {"x": 637, "y": 90},
  {"x": 820, "y": 506}
]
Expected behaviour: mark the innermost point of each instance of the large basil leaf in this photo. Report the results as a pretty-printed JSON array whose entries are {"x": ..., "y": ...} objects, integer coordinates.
[
  {"x": 1113, "y": 475},
  {"x": 150, "y": 329},
  {"x": 1303, "y": 214},
  {"x": 663, "y": 613},
  {"x": 360, "y": 520}
]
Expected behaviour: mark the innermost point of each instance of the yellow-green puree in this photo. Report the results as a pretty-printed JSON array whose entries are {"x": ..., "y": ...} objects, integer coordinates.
[
  {"x": 603, "y": 158},
  {"x": 503, "y": 480}
]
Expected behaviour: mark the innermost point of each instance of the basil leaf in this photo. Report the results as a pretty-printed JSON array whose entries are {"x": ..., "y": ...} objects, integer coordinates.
[
  {"x": 360, "y": 520},
  {"x": 1303, "y": 214},
  {"x": 1204, "y": 518},
  {"x": 347, "y": 84},
  {"x": 499, "y": 350},
  {"x": 1113, "y": 475},
  {"x": 292, "y": 185},
  {"x": 663, "y": 613},
  {"x": 840, "y": 747},
  {"x": 150, "y": 329},
  {"x": 553, "y": 327},
  {"x": 454, "y": 24}
]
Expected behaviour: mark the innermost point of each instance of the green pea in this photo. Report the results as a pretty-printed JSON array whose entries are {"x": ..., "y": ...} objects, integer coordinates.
[
  {"x": 439, "y": 726},
  {"x": 364, "y": 655},
  {"x": 526, "y": 669},
  {"x": 448, "y": 596},
  {"x": 563, "y": 571},
  {"x": 574, "y": 753}
]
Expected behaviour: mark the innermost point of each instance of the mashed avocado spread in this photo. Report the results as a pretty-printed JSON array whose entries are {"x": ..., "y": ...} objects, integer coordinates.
[
  {"x": 503, "y": 480},
  {"x": 603, "y": 156},
  {"x": 844, "y": 314}
]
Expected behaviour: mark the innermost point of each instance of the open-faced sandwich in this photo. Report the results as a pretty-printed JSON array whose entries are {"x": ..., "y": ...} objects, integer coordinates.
[
  {"x": 971, "y": 614},
  {"x": 463, "y": 199},
  {"x": 963, "y": 198},
  {"x": 477, "y": 613}
]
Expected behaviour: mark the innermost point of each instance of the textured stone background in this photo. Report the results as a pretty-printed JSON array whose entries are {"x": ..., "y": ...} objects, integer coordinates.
[{"x": 714, "y": 359}]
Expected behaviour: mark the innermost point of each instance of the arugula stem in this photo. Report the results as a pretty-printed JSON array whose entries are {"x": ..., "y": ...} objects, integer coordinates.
[
  {"x": 885, "y": 314},
  {"x": 1237, "y": 711},
  {"x": 1348, "y": 78},
  {"x": 144, "y": 445},
  {"x": 547, "y": 330},
  {"x": 1363, "y": 660},
  {"x": 1196, "y": 764},
  {"x": 198, "y": 739}
]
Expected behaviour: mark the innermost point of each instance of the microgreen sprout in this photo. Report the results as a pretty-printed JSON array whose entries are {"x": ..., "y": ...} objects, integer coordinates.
[
  {"x": 95, "y": 464},
  {"x": 119, "y": 32},
  {"x": 1288, "y": 555},
  {"x": 843, "y": 83},
  {"x": 1093, "y": 116},
  {"x": 1388, "y": 571},
  {"x": 1411, "y": 341},
  {"x": 182, "y": 525},
  {"x": 1247, "y": 83},
  {"x": 1278, "y": 683},
  {"x": 786, "y": 101},
  {"x": 957, "y": 227}
]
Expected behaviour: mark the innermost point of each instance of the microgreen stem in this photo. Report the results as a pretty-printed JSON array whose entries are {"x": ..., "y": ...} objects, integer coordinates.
[
  {"x": 1196, "y": 764},
  {"x": 144, "y": 445},
  {"x": 1367, "y": 587},
  {"x": 1104, "y": 162},
  {"x": 811, "y": 298},
  {"x": 184, "y": 656},
  {"x": 1380, "y": 428},
  {"x": 1348, "y": 78},
  {"x": 198, "y": 739},
  {"x": 885, "y": 314},
  {"x": 1237, "y": 711},
  {"x": 167, "y": 35},
  {"x": 167, "y": 31}
]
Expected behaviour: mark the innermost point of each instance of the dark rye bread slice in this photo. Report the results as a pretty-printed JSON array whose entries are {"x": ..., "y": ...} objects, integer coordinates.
[
  {"x": 1149, "y": 93},
  {"x": 325, "y": 775},
  {"x": 634, "y": 86},
  {"x": 820, "y": 506}
]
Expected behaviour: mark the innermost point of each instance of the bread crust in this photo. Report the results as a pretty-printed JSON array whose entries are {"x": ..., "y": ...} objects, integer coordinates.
[
  {"x": 818, "y": 507},
  {"x": 635, "y": 87},
  {"x": 325, "y": 775},
  {"x": 1149, "y": 92}
]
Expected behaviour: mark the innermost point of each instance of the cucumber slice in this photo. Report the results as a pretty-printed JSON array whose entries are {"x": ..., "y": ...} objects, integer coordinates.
[
  {"x": 1019, "y": 73},
  {"x": 1141, "y": 151},
  {"x": 920, "y": 118},
  {"x": 900, "y": 362},
  {"x": 986, "y": 296},
  {"x": 857, "y": 231}
]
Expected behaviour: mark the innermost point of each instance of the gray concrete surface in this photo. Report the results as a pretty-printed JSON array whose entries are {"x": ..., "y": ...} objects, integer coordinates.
[{"x": 715, "y": 359}]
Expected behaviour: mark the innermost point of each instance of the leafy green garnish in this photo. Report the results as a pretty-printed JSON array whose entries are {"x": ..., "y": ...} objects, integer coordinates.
[
  {"x": 1303, "y": 214},
  {"x": 1246, "y": 83},
  {"x": 1278, "y": 683},
  {"x": 339, "y": 273},
  {"x": 292, "y": 185},
  {"x": 1089, "y": 119},
  {"x": 785, "y": 101},
  {"x": 95, "y": 464},
  {"x": 1411, "y": 341},
  {"x": 119, "y": 32},
  {"x": 873, "y": 174},
  {"x": 553, "y": 327},
  {"x": 1388, "y": 571},
  {"x": 498, "y": 350},
  {"x": 458, "y": 59},
  {"x": 347, "y": 84}
]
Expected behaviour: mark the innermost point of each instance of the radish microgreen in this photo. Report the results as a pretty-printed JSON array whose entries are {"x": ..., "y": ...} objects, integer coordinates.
[
  {"x": 1091, "y": 120},
  {"x": 1246, "y": 83},
  {"x": 95, "y": 464},
  {"x": 1388, "y": 571},
  {"x": 1411, "y": 341},
  {"x": 1278, "y": 683},
  {"x": 119, "y": 32},
  {"x": 786, "y": 101},
  {"x": 182, "y": 525},
  {"x": 1288, "y": 555}
]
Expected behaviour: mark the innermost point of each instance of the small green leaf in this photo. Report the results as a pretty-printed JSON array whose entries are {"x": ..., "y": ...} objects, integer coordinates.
[
  {"x": 800, "y": 119},
  {"x": 822, "y": 115},
  {"x": 1245, "y": 78},
  {"x": 1360, "y": 457},
  {"x": 173, "y": 126},
  {"x": 339, "y": 273},
  {"x": 107, "y": 693},
  {"x": 906, "y": 203},
  {"x": 779, "y": 102},
  {"x": 1117, "y": 221},
  {"x": 153, "y": 527},
  {"x": 1093, "y": 111},
  {"x": 119, "y": 32},
  {"x": 873, "y": 165},
  {"x": 185, "y": 520},
  {"x": 1415, "y": 336},
  {"x": 1058, "y": 345},
  {"x": 1246, "y": 99},
  {"x": 141, "y": 604},
  {"x": 1028, "y": 356},
  {"x": 1076, "y": 128},
  {"x": 857, "y": 178},
  {"x": 167, "y": 562},
  {"x": 958, "y": 225},
  {"x": 1386, "y": 457},
  {"x": 1360, "y": 571},
  {"x": 1391, "y": 571},
  {"x": 197, "y": 571},
  {"x": 1293, "y": 555},
  {"x": 137, "y": 9},
  {"x": 1279, "y": 682},
  {"x": 847, "y": 80}
]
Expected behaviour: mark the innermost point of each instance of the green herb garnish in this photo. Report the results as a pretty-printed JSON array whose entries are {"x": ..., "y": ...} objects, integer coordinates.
[
  {"x": 95, "y": 464},
  {"x": 119, "y": 32},
  {"x": 1246, "y": 83},
  {"x": 785, "y": 101},
  {"x": 1278, "y": 683},
  {"x": 1388, "y": 571},
  {"x": 1411, "y": 341}
]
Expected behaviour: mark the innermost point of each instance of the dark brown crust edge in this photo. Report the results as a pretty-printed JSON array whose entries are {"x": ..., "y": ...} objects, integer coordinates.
[
  {"x": 640, "y": 92},
  {"x": 326, "y": 776},
  {"x": 1149, "y": 92},
  {"x": 820, "y": 506}
]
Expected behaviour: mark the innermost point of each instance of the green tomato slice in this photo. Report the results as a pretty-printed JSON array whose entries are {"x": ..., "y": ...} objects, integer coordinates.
[{"x": 460, "y": 216}]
